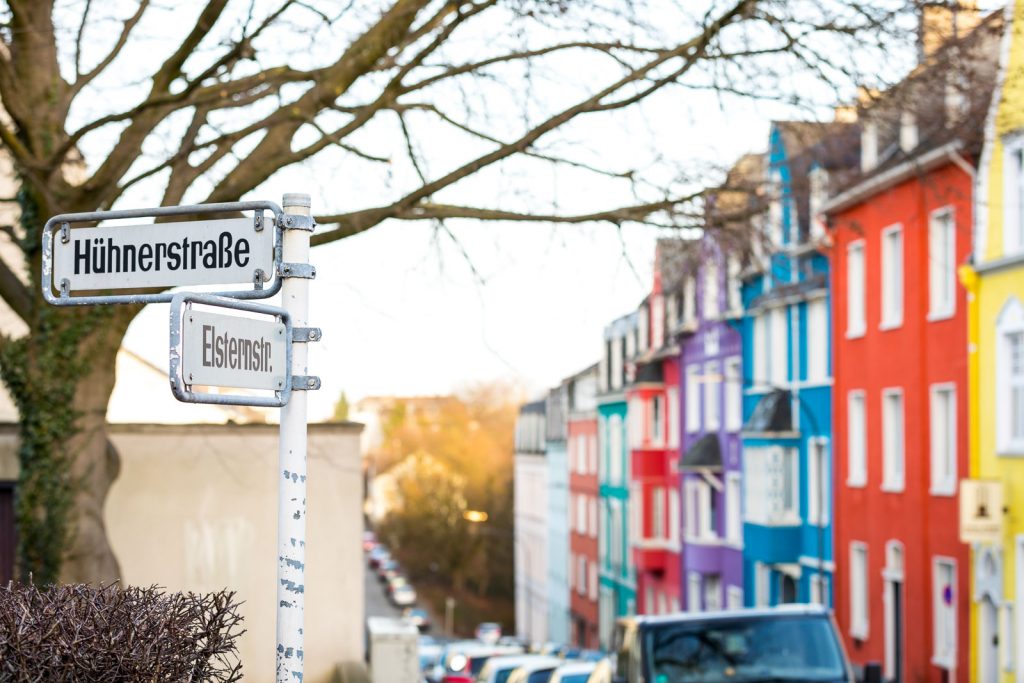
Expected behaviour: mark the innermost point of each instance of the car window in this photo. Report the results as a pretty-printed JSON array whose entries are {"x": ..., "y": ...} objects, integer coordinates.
[{"x": 541, "y": 676}]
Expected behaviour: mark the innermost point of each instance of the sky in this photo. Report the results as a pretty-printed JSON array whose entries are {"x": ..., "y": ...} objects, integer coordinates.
[{"x": 407, "y": 309}]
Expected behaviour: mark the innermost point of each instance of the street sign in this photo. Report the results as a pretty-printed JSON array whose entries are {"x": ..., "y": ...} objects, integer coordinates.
[
  {"x": 97, "y": 259},
  {"x": 227, "y": 350},
  {"x": 981, "y": 511}
]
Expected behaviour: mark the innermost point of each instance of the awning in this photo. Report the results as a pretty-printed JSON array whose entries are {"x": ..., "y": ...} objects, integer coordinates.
[
  {"x": 706, "y": 454},
  {"x": 774, "y": 413}
]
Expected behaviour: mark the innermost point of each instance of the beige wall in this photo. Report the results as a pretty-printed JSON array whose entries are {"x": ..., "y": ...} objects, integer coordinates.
[{"x": 195, "y": 508}]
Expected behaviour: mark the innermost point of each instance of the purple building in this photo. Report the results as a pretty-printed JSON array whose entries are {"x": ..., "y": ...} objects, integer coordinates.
[{"x": 711, "y": 365}]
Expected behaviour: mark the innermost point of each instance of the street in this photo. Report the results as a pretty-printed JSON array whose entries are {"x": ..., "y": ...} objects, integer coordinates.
[{"x": 377, "y": 604}]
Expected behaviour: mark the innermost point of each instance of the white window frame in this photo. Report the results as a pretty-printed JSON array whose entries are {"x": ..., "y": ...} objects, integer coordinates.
[
  {"x": 636, "y": 511},
  {"x": 711, "y": 307},
  {"x": 816, "y": 588},
  {"x": 856, "y": 292},
  {"x": 943, "y": 438},
  {"x": 592, "y": 516},
  {"x": 712, "y": 391},
  {"x": 942, "y": 629},
  {"x": 693, "y": 592},
  {"x": 733, "y": 597},
  {"x": 592, "y": 581},
  {"x": 733, "y": 380},
  {"x": 658, "y": 526},
  {"x": 657, "y": 420},
  {"x": 581, "y": 515},
  {"x": 581, "y": 574},
  {"x": 734, "y": 509},
  {"x": 706, "y": 531},
  {"x": 657, "y": 321},
  {"x": 1009, "y": 322},
  {"x": 602, "y": 446},
  {"x": 941, "y": 275},
  {"x": 818, "y": 336},
  {"x": 857, "y": 440},
  {"x": 894, "y": 440},
  {"x": 615, "y": 381},
  {"x": 762, "y": 584},
  {"x": 643, "y": 328},
  {"x": 692, "y": 401},
  {"x": 818, "y": 465},
  {"x": 615, "y": 449},
  {"x": 673, "y": 516},
  {"x": 892, "y": 277},
  {"x": 734, "y": 303},
  {"x": 713, "y": 592},
  {"x": 860, "y": 618},
  {"x": 1013, "y": 192},
  {"x": 591, "y": 441},
  {"x": 818, "y": 181},
  {"x": 689, "y": 300}
]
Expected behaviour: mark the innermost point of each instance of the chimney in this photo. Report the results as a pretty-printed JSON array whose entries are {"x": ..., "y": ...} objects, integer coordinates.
[{"x": 943, "y": 21}]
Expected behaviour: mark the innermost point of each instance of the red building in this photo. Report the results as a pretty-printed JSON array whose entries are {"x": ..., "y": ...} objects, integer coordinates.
[
  {"x": 652, "y": 396},
  {"x": 899, "y": 330},
  {"x": 583, "y": 506}
]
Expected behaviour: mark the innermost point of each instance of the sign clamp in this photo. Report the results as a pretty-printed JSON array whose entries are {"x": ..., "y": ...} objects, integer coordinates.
[
  {"x": 62, "y": 223},
  {"x": 182, "y": 389}
]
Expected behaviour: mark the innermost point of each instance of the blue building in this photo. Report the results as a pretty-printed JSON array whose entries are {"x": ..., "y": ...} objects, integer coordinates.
[
  {"x": 558, "y": 514},
  {"x": 617, "y": 580},
  {"x": 787, "y": 435}
]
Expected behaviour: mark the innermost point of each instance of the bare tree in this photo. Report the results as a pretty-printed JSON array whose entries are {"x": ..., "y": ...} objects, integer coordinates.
[{"x": 251, "y": 89}]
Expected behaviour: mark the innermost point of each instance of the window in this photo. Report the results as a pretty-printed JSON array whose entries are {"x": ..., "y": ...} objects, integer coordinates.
[
  {"x": 689, "y": 300},
  {"x": 593, "y": 581},
  {"x": 817, "y": 341},
  {"x": 692, "y": 404},
  {"x": 1013, "y": 227},
  {"x": 856, "y": 432},
  {"x": 672, "y": 393},
  {"x": 602, "y": 462},
  {"x": 713, "y": 593},
  {"x": 591, "y": 441},
  {"x": 941, "y": 264},
  {"x": 602, "y": 550},
  {"x": 733, "y": 509},
  {"x": 893, "y": 441},
  {"x": 858, "y": 590},
  {"x": 817, "y": 586},
  {"x": 733, "y": 597},
  {"x": 671, "y": 312},
  {"x": 734, "y": 303},
  {"x": 658, "y": 420},
  {"x": 615, "y": 449},
  {"x": 581, "y": 575},
  {"x": 673, "y": 516},
  {"x": 702, "y": 514},
  {"x": 733, "y": 395},
  {"x": 692, "y": 505},
  {"x": 635, "y": 422},
  {"x": 855, "y": 299},
  {"x": 943, "y": 439},
  {"x": 616, "y": 536},
  {"x": 762, "y": 584},
  {"x": 658, "y": 514},
  {"x": 712, "y": 382},
  {"x": 818, "y": 195},
  {"x": 778, "y": 347},
  {"x": 892, "y": 277},
  {"x": 693, "y": 592},
  {"x": 643, "y": 323},
  {"x": 944, "y": 597},
  {"x": 818, "y": 482},
  {"x": 657, "y": 321},
  {"x": 593, "y": 517},
  {"x": 710, "y": 300},
  {"x": 772, "y": 485},
  {"x": 760, "y": 350},
  {"x": 615, "y": 381},
  {"x": 1010, "y": 378},
  {"x": 636, "y": 517},
  {"x": 581, "y": 515}
]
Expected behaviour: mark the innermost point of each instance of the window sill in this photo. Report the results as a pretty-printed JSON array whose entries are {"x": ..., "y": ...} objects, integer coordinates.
[
  {"x": 1013, "y": 449},
  {"x": 855, "y": 334},
  {"x": 890, "y": 325},
  {"x": 938, "y": 316},
  {"x": 859, "y": 633},
  {"x": 856, "y": 483},
  {"x": 948, "y": 491},
  {"x": 893, "y": 488},
  {"x": 943, "y": 663}
]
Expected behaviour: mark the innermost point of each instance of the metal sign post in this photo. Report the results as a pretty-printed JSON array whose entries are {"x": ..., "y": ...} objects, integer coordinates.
[{"x": 84, "y": 265}]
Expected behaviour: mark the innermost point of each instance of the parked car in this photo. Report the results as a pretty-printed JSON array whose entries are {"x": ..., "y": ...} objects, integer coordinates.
[
  {"x": 488, "y": 632},
  {"x": 498, "y": 669},
  {"x": 430, "y": 654},
  {"x": 538, "y": 670},
  {"x": 391, "y": 574},
  {"x": 369, "y": 541},
  {"x": 393, "y": 583},
  {"x": 377, "y": 555},
  {"x": 573, "y": 672},
  {"x": 419, "y": 618},
  {"x": 435, "y": 674},
  {"x": 789, "y": 642},
  {"x": 384, "y": 566},
  {"x": 464, "y": 663},
  {"x": 403, "y": 595}
]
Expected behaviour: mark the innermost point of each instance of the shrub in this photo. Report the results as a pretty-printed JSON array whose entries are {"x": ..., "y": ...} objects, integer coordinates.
[{"x": 83, "y": 634}]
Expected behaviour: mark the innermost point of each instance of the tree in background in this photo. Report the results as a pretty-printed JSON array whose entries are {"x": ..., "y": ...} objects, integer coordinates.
[
  {"x": 106, "y": 104},
  {"x": 341, "y": 408}
]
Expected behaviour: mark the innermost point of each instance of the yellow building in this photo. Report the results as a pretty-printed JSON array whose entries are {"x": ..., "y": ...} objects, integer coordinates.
[{"x": 996, "y": 366}]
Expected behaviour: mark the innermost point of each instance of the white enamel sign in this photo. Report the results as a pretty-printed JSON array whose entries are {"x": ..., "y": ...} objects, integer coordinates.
[
  {"x": 232, "y": 351},
  {"x": 981, "y": 511},
  {"x": 204, "y": 252}
]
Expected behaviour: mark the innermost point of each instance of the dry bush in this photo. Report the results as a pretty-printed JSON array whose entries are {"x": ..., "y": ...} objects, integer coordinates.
[{"x": 82, "y": 633}]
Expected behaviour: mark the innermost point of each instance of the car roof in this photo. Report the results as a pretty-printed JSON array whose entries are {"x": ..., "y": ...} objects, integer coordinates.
[
  {"x": 747, "y": 613},
  {"x": 577, "y": 667},
  {"x": 539, "y": 662},
  {"x": 505, "y": 661}
]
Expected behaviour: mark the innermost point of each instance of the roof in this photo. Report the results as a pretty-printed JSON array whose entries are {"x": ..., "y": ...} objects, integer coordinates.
[
  {"x": 706, "y": 453},
  {"x": 772, "y": 414},
  {"x": 538, "y": 407}
]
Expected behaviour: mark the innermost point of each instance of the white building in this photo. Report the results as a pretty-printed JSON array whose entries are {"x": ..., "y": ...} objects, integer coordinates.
[{"x": 531, "y": 524}]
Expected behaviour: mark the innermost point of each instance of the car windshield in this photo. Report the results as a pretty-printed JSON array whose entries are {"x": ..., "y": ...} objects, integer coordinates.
[
  {"x": 744, "y": 649},
  {"x": 575, "y": 678},
  {"x": 542, "y": 676}
]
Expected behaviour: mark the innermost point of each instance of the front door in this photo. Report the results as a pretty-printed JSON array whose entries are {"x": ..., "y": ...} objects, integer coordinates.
[
  {"x": 894, "y": 630},
  {"x": 988, "y": 642}
]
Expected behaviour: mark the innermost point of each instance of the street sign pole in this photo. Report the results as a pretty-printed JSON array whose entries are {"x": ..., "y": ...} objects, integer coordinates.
[{"x": 291, "y": 514}]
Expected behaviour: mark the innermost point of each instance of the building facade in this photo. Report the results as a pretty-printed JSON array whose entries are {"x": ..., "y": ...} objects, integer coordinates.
[
  {"x": 584, "y": 497},
  {"x": 787, "y": 437},
  {"x": 556, "y": 429},
  {"x": 900, "y": 391},
  {"x": 530, "y": 518},
  {"x": 711, "y": 465},
  {"x": 996, "y": 369},
  {"x": 653, "y": 398},
  {"x": 617, "y": 579}
]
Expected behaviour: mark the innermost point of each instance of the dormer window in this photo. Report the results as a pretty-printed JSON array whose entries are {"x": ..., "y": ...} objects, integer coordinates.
[
  {"x": 908, "y": 131},
  {"x": 868, "y": 146}
]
